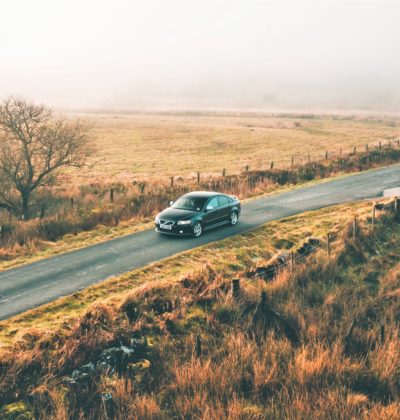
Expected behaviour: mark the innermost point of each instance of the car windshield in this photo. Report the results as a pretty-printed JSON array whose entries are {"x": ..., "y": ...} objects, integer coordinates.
[{"x": 190, "y": 203}]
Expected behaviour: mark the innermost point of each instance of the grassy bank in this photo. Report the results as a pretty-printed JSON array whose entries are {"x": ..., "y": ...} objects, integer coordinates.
[{"x": 342, "y": 360}]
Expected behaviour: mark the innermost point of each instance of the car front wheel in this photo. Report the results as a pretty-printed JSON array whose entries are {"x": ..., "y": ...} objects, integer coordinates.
[
  {"x": 197, "y": 229},
  {"x": 233, "y": 219}
]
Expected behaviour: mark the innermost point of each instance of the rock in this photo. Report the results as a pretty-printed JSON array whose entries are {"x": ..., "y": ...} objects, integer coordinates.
[
  {"x": 83, "y": 375},
  {"x": 308, "y": 247},
  {"x": 116, "y": 359}
]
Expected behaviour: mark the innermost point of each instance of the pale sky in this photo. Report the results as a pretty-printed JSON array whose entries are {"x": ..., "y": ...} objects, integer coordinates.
[{"x": 201, "y": 53}]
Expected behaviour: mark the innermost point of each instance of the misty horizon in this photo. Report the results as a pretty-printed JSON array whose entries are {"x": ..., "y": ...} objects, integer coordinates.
[{"x": 221, "y": 54}]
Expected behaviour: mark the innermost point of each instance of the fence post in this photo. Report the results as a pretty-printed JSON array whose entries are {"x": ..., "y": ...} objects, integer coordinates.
[
  {"x": 380, "y": 145},
  {"x": 355, "y": 228},
  {"x": 235, "y": 288},
  {"x": 247, "y": 168},
  {"x": 263, "y": 300},
  {"x": 373, "y": 215},
  {"x": 397, "y": 209},
  {"x": 223, "y": 172},
  {"x": 326, "y": 155},
  {"x": 42, "y": 211},
  {"x": 198, "y": 345},
  {"x": 111, "y": 194},
  {"x": 291, "y": 261},
  {"x": 354, "y": 150},
  {"x": 382, "y": 333},
  {"x": 292, "y": 161},
  {"x": 172, "y": 181},
  {"x": 340, "y": 152},
  {"x": 328, "y": 244},
  {"x": 272, "y": 165},
  {"x": 366, "y": 147}
]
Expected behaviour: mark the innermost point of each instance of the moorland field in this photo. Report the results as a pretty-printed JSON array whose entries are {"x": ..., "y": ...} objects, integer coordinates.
[{"x": 129, "y": 146}]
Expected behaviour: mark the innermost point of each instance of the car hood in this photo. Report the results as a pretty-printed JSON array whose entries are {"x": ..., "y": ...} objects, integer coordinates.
[{"x": 177, "y": 214}]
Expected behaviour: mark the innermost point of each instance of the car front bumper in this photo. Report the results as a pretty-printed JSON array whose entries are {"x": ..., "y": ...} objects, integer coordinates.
[{"x": 185, "y": 230}]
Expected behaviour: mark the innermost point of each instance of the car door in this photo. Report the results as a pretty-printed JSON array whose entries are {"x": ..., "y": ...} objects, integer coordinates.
[
  {"x": 212, "y": 215},
  {"x": 225, "y": 207}
]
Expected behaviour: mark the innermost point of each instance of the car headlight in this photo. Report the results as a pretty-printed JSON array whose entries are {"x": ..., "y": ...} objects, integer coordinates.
[
  {"x": 184, "y": 222},
  {"x": 157, "y": 219}
]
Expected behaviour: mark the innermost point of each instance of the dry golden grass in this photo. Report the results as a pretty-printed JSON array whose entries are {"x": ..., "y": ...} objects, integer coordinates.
[
  {"x": 131, "y": 146},
  {"x": 236, "y": 253},
  {"x": 250, "y": 366}
]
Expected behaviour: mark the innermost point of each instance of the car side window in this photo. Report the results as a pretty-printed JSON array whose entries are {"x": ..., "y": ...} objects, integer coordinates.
[
  {"x": 223, "y": 201},
  {"x": 212, "y": 204}
]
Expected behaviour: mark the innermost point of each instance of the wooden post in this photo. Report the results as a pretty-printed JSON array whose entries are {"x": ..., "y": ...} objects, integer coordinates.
[
  {"x": 247, "y": 168},
  {"x": 326, "y": 155},
  {"x": 373, "y": 215},
  {"x": 355, "y": 228},
  {"x": 366, "y": 147},
  {"x": 42, "y": 211},
  {"x": 292, "y": 161},
  {"x": 172, "y": 181},
  {"x": 328, "y": 244},
  {"x": 198, "y": 177},
  {"x": 235, "y": 288},
  {"x": 340, "y": 152},
  {"x": 291, "y": 261},
  {"x": 272, "y": 165},
  {"x": 263, "y": 300},
  {"x": 198, "y": 345},
  {"x": 397, "y": 209},
  {"x": 382, "y": 333},
  {"x": 112, "y": 195},
  {"x": 72, "y": 202},
  {"x": 223, "y": 172},
  {"x": 380, "y": 145},
  {"x": 354, "y": 150}
]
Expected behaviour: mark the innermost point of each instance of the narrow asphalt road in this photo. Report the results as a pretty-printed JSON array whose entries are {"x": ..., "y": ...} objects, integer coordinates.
[{"x": 41, "y": 282}]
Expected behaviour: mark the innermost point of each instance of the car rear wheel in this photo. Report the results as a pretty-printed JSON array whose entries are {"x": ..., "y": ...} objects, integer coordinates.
[
  {"x": 233, "y": 219},
  {"x": 197, "y": 229}
]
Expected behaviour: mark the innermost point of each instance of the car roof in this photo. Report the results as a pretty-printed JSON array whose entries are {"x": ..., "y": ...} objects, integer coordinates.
[{"x": 202, "y": 194}]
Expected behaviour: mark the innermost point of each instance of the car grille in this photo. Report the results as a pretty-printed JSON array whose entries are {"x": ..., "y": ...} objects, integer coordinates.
[{"x": 167, "y": 222}]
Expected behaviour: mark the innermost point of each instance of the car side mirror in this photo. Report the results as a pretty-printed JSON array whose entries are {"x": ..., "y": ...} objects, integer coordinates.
[{"x": 170, "y": 203}]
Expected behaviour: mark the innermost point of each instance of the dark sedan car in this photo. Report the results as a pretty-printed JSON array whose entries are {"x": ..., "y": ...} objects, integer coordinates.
[{"x": 196, "y": 212}]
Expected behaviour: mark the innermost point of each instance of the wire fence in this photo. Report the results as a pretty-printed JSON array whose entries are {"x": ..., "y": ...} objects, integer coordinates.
[
  {"x": 296, "y": 160},
  {"x": 292, "y": 258}
]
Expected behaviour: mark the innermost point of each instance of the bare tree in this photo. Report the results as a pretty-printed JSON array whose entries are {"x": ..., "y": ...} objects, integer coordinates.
[{"x": 33, "y": 146}]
